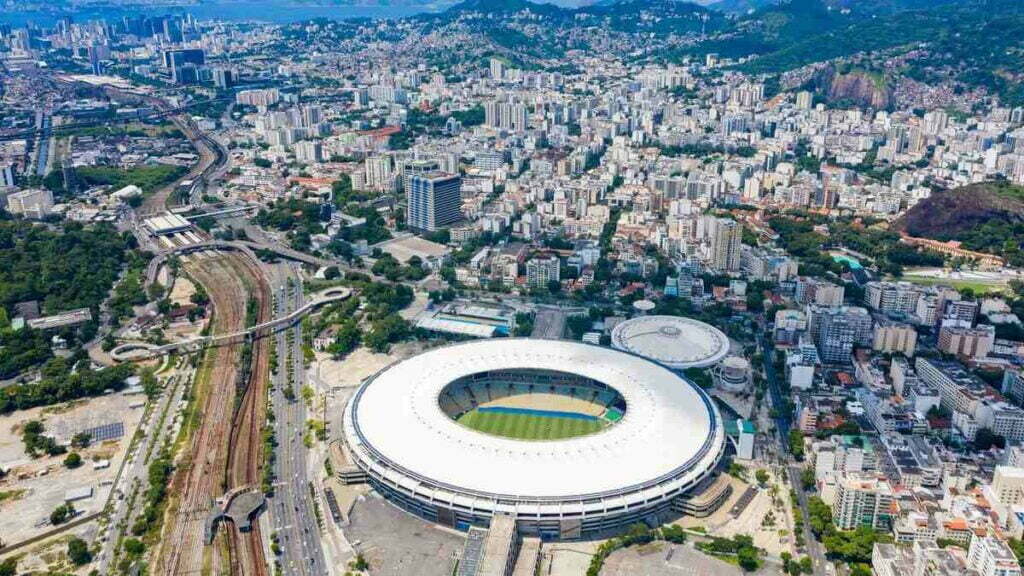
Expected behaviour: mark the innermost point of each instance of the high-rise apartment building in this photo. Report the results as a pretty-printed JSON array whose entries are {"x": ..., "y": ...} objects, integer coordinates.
[
  {"x": 379, "y": 173},
  {"x": 863, "y": 501},
  {"x": 726, "y": 238},
  {"x": 542, "y": 270},
  {"x": 309, "y": 151},
  {"x": 835, "y": 330},
  {"x": 506, "y": 115},
  {"x": 896, "y": 298},
  {"x": 434, "y": 201},
  {"x": 967, "y": 342}
]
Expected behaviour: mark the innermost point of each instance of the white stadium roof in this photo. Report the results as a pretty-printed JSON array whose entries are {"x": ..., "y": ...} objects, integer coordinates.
[
  {"x": 674, "y": 341},
  {"x": 669, "y": 436}
]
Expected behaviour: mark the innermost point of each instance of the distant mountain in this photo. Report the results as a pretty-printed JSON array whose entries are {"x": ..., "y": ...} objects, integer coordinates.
[
  {"x": 861, "y": 6},
  {"x": 739, "y": 6},
  {"x": 498, "y": 7}
]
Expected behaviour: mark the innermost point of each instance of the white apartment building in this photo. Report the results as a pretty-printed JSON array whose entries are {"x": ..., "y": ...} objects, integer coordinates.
[
  {"x": 991, "y": 556},
  {"x": 863, "y": 501}
]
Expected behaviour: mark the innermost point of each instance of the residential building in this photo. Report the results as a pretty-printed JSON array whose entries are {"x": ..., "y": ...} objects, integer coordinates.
[
  {"x": 542, "y": 270},
  {"x": 724, "y": 251},
  {"x": 892, "y": 298},
  {"x": 895, "y": 338},
  {"x": 991, "y": 556},
  {"x": 309, "y": 152},
  {"x": 863, "y": 500},
  {"x": 835, "y": 330},
  {"x": 433, "y": 201},
  {"x": 33, "y": 203},
  {"x": 7, "y": 176},
  {"x": 967, "y": 342}
]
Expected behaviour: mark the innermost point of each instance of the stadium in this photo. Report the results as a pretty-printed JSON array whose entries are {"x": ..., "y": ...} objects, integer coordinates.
[{"x": 570, "y": 439}]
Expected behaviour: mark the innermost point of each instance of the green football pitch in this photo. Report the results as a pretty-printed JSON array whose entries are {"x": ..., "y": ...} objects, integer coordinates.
[{"x": 528, "y": 426}]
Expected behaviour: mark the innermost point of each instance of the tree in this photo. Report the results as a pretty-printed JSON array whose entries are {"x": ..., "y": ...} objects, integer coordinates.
[
  {"x": 860, "y": 569},
  {"x": 81, "y": 440},
  {"x": 62, "y": 514},
  {"x": 73, "y": 461},
  {"x": 386, "y": 331},
  {"x": 820, "y": 516},
  {"x": 346, "y": 339},
  {"x": 747, "y": 557},
  {"x": 673, "y": 533},
  {"x": 796, "y": 444},
  {"x": 150, "y": 384},
  {"x": 134, "y": 547},
  {"x": 761, "y": 476},
  {"x": 36, "y": 443},
  {"x": 9, "y": 567},
  {"x": 985, "y": 439},
  {"x": 78, "y": 552},
  {"x": 807, "y": 478},
  {"x": 359, "y": 564},
  {"x": 637, "y": 534}
]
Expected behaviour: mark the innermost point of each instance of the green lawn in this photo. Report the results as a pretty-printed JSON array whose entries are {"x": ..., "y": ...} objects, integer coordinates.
[
  {"x": 529, "y": 427},
  {"x": 148, "y": 178},
  {"x": 978, "y": 286}
]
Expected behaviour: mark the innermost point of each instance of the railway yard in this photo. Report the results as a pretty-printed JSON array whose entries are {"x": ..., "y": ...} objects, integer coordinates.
[{"x": 223, "y": 451}]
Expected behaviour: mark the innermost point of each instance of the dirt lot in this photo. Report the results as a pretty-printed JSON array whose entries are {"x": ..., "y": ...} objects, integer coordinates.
[
  {"x": 663, "y": 559},
  {"x": 182, "y": 291},
  {"x": 36, "y": 486},
  {"x": 51, "y": 556},
  {"x": 359, "y": 365}
]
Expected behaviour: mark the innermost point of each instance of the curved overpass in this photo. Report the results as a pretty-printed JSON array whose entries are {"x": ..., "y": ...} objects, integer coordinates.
[
  {"x": 143, "y": 350},
  {"x": 245, "y": 246}
]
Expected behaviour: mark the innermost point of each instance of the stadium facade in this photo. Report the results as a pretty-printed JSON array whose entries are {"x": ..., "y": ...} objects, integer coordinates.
[{"x": 665, "y": 438}]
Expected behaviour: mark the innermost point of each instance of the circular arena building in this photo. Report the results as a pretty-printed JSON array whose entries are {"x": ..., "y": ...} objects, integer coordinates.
[
  {"x": 571, "y": 439},
  {"x": 674, "y": 341}
]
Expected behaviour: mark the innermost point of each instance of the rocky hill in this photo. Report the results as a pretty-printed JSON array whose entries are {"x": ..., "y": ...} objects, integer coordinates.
[
  {"x": 858, "y": 87},
  {"x": 987, "y": 217}
]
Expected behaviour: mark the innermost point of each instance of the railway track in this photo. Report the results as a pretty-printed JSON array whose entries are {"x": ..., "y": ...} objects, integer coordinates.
[
  {"x": 201, "y": 473},
  {"x": 245, "y": 448}
]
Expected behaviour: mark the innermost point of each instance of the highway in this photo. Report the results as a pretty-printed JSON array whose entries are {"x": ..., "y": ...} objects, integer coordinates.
[
  {"x": 43, "y": 120},
  {"x": 291, "y": 508},
  {"x": 162, "y": 113}
]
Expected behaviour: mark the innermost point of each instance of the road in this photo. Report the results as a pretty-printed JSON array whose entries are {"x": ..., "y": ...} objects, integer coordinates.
[
  {"x": 783, "y": 423},
  {"x": 133, "y": 482},
  {"x": 291, "y": 508},
  {"x": 43, "y": 122}
]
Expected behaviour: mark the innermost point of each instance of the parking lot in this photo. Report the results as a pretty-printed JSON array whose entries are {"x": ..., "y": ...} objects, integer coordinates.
[{"x": 396, "y": 543}]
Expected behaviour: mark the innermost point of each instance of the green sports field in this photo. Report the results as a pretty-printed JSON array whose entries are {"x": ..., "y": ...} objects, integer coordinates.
[{"x": 528, "y": 426}]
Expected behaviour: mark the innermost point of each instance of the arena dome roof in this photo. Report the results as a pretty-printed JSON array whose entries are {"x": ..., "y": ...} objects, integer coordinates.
[{"x": 674, "y": 341}]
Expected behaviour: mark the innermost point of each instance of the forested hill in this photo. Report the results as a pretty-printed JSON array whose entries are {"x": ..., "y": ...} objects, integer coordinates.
[
  {"x": 973, "y": 43},
  {"x": 987, "y": 217}
]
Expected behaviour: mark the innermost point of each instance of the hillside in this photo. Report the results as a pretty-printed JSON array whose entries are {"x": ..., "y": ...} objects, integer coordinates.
[{"x": 987, "y": 217}]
